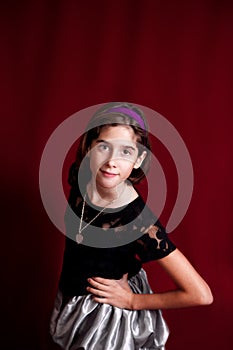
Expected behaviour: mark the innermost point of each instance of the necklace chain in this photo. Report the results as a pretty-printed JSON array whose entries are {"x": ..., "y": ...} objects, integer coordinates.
[{"x": 79, "y": 236}]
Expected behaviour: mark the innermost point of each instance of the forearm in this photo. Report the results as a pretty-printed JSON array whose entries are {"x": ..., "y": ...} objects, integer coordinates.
[{"x": 167, "y": 300}]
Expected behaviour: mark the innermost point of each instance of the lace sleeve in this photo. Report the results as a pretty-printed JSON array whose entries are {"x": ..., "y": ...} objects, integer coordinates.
[{"x": 154, "y": 244}]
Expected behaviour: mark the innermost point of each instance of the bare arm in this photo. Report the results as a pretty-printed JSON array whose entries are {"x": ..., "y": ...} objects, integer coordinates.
[{"x": 191, "y": 288}]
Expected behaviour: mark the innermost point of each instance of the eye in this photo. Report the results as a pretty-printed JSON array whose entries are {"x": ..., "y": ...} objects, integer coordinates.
[
  {"x": 103, "y": 147},
  {"x": 126, "y": 152}
]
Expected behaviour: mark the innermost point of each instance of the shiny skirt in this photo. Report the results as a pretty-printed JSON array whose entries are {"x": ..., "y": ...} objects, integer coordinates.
[{"x": 83, "y": 324}]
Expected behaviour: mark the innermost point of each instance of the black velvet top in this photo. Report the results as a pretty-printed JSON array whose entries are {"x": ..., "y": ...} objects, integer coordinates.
[{"x": 117, "y": 241}]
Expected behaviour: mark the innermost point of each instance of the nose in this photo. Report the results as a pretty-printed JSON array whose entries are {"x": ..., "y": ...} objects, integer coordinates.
[{"x": 111, "y": 161}]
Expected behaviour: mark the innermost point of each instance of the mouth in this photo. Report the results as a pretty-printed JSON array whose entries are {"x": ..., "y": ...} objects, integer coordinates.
[{"x": 107, "y": 173}]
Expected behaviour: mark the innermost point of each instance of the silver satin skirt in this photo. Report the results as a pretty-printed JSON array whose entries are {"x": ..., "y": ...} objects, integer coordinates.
[{"x": 83, "y": 324}]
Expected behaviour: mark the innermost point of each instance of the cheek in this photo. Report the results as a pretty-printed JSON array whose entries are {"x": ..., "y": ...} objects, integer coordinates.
[
  {"x": 96, "y": 161},
  {"x": 127, "y": 168},
  {"x": 93, "y": 165}
]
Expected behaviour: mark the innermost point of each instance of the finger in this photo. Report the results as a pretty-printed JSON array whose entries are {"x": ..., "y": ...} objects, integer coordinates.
[
  {"x": 100, "y": 300},
  {"x": 96, "y": 292},
  {"x": 97, "y": 285},
  {"x": 103, "y": 281},
  {"x": 125, "y": 276}
]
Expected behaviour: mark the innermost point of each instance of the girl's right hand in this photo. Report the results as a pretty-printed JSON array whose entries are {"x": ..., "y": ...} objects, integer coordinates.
[{"x": 113, "y": 292}]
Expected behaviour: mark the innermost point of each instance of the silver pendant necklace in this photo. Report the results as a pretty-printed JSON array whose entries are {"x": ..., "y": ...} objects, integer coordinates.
[{"x": 79, "y": 236}]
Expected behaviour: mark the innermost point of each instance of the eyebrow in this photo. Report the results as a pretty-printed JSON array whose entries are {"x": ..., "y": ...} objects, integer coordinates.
[{"x": 124, "y": 146}]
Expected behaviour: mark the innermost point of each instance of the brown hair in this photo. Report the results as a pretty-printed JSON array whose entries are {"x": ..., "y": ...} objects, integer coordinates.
[{"x": 109, "y": 115}]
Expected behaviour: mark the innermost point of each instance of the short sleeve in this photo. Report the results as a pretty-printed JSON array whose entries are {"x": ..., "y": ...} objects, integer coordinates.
[{"x": 154, "y": 244}]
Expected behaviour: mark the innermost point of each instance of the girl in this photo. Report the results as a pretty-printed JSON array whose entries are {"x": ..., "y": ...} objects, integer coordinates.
[{"x": 104, "y": 301}]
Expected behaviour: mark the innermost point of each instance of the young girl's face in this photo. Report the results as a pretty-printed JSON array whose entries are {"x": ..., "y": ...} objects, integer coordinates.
[{"x": 113, "y": 155}]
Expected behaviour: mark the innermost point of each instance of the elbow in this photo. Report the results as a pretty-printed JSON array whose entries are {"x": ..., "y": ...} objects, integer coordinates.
[
  {"x": 207, "y": 299},
  {"x": 204, "y": 297}
]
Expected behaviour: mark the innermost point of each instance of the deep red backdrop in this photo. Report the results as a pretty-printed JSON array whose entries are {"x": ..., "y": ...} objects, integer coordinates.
[{"x": 62, "y": 56}]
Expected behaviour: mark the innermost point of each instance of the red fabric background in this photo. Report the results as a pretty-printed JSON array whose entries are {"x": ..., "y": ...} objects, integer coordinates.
[{"x": 62, "y": 56}]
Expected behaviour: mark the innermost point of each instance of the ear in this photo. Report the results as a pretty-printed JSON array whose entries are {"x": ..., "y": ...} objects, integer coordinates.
[
  {"x": 140, "y": 159},
  {"x": 88, "y": 152}
]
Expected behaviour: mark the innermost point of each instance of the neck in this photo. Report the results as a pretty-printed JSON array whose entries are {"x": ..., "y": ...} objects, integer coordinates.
[
  {"x": 117, "y": 196},
  {"x": 101, "y": 194}
]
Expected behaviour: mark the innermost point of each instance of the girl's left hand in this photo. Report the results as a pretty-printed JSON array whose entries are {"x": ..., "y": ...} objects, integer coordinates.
[{"x": 113, "y": 292}]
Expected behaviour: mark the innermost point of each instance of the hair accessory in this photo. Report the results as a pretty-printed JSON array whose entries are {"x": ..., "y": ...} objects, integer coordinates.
[{"x": 130, "y": 113}]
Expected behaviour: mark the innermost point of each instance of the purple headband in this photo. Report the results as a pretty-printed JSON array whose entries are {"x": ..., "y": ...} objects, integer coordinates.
[{"x": 130, "y": 113}]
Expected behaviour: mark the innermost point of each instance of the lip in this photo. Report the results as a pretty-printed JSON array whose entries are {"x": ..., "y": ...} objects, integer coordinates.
[{"x": 108, "y": 174}]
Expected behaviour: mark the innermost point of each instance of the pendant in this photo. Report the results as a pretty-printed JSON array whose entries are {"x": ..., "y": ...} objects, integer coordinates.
[{"x": 79, "y": 238}]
